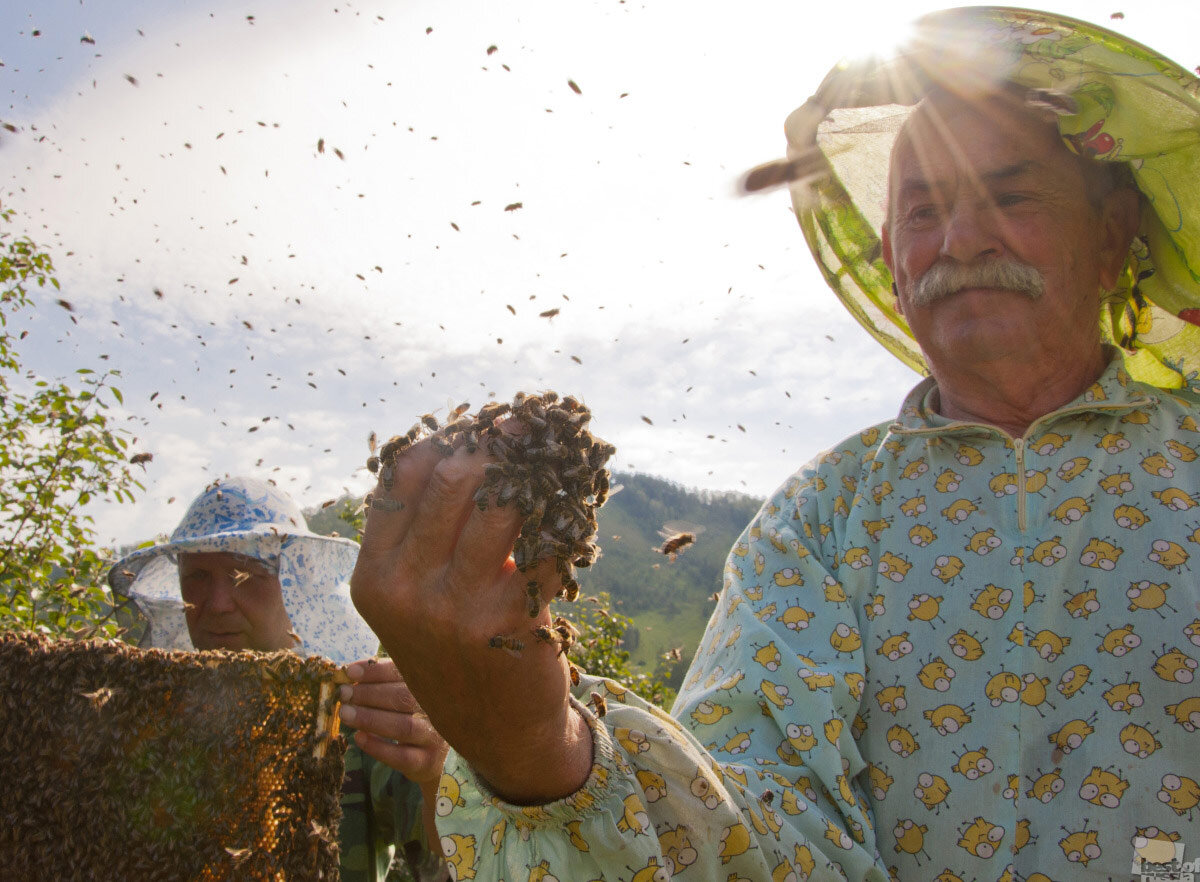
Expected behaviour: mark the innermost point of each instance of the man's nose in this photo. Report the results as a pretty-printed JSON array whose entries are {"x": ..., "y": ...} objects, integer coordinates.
[
  {"x": 221, "y": 592},
  {"x": 971, "y": 231}
]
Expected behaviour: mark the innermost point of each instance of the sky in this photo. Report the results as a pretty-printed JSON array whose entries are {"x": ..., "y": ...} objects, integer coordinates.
[{"x": 291, "y": 223}]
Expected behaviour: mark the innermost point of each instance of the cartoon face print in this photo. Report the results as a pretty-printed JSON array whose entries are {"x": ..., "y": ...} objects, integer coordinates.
[
  {"x": 895, "y": 646},
  {"x": 983, "y": 542},
  {"x": 1158, "y": 465},
  {"x": 925, "y": 607},
  {"x": 981, "y": 838},
  {"x": 1148, "y": 595},
  {"x": 1103, "y": 788},
  {"x": 1046, "y": 785},
  {"x": 1130, "y": 517},
  {"x": 1175, "y": 666},
  {"x": 1101, "y": 554},
  {"x": 947, "y": 568},
  {"x": 1082, "y": 604},
  {"x": 965, "y": 646},
  {"x": 1081, "y": 846},
  {"x": 1139, "y": 741},
  {"x": 1074, "y": 679},
  {"x": 1119, "y": 641},
  {"x": 1071, "y": 510},
  {"x": 1073, "y": 468},
  {"x": 1072, "y": 734},
  {"x": 893, "y": 566},
  {"x": 947, "y": 719},
  {"x": 1180, "y": 793},
  {"x": 992, "y": 602},
  {"x": 1117, "y": 484},
  {"x": 1169, "y": 555},
  {"x": 973, "y": 764},
  {"x": 1049, "y": 551}
]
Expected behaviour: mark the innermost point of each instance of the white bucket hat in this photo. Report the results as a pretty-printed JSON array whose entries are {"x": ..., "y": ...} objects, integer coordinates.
[{"x": 254, "y": 518}]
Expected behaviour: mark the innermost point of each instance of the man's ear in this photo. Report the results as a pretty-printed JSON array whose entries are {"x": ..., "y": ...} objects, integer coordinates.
[
  {"x": 886, "y": 241},
  {"x": 1120, "y": 214}
]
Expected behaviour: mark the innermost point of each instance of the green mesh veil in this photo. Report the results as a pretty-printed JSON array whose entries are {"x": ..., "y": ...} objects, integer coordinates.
[{"x": 1114, "y": 100}]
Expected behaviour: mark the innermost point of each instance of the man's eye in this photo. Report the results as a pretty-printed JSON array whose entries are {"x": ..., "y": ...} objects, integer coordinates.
[
  {"x": 1009, "y": 199},
  {"x": 923, "y": 213}
]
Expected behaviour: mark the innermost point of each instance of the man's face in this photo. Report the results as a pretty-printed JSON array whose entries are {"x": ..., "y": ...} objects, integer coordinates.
[
  {"x": 987, "y": 182},
  {"x": 232, "y": 602}
]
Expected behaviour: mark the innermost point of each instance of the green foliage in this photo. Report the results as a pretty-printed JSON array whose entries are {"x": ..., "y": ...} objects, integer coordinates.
[
  {"x": 58, "y": 451},
  {"x": 600, "y": 649}
]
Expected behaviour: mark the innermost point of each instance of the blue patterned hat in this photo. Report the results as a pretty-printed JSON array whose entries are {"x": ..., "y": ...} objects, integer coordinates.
[{"x": 257, "y": 519}]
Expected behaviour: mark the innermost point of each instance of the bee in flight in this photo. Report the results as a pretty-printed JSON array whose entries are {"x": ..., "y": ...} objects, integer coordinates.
[{"x": 677, "y": 535}]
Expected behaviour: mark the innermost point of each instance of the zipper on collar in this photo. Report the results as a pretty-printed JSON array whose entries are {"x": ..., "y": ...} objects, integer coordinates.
[{"x": 1019, "y": 447}]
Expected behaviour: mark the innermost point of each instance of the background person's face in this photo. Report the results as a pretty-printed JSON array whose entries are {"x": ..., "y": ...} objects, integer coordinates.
[{"x": 232, "y": 602}]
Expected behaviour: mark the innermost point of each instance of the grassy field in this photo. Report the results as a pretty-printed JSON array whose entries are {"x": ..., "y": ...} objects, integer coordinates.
[{"x": 660, "y": 633}]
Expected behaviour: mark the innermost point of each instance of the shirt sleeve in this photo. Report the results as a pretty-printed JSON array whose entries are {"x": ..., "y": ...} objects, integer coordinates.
[{"x": 756, "y": 774}]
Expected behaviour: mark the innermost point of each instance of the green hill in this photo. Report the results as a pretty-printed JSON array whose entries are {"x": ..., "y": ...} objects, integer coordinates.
[{"x": 670, "y": 602}]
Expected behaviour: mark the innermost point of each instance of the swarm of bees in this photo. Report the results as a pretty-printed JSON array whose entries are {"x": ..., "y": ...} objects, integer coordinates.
[
  {"x": 548, "y": 465},
  {"x": 202, "y": 764}
]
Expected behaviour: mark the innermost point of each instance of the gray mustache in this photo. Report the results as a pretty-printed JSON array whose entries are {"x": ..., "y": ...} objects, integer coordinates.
[{"x": 946, "y": 278}]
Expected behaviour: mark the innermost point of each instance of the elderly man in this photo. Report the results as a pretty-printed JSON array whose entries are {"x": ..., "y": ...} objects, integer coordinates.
[
  {"x": 242, "y": 571},
  {"x": 962, "y": 644}
]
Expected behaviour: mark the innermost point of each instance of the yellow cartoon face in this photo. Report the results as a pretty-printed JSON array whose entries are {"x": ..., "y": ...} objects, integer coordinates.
[
  {"x": 913, "y": 507},
  {"x": 1035, "y": 480},
  {"x": 1049, "y": 443},
  {"x": 775, "y": 693},
  {"x": 838, "y": 837},
  {"x": 924, "y": 607},
  {"x": 914, "y": 469},
  {"x": 973, "y": 764},
  {"x": 1002, "y": 688},
  {"x": 959, "y": 510},
  {"x": 936, "y": 675},
  {"x": 1130, "y": 517},
  {"x": 1124, "y": 697},
  {"x": 652, "y": 872},
  {"x": 845, "y": 638},
  {"x": 1158, "y": 465},
  {"x": 449, "y": 796},
  {"x": 947, "y": 568},
  {"x": 1175, "y": 666},
  {"x": 541, "y": 873},
  {"x": 768, "y": 656},
  {"x": 1174, "y": 499},
  {"x": 948, "y": 481},
  {"x": 677, "y": 848},
  {"x": 1181, "y": 451},
  {"x": 1049, "y": 645},
  {"x": 1049, "y": 551},
  {"x": 795, "y": 618},
  {"x": 855, "y": 682},
  {"x": 1139, "y": 741},
  {"x": 893, "y": 566},
  {"x": 965, "y": 646},
  {"x": 931, "y": 789},
  {"x": 1081, "y": 846},
  {"x": 879, "y": 780},
  {"x": 874, "y": 606},
  {"x": 891, "y": 699},
  {"x": 634, "y": 819},
  {"x": 947, "y": 718},
  {"x": 633, "y": 741},
  {"x": 833, "y": 731},
  {"x": 459, "y": 852},
  {"x": 1103, "y": 788},
  {"x": 1192, "y": 632},
  {"x": 1117, "y": 484},
  {"x": 833, "y": 590},
  {"x": 967, "y": 455},
  {"x": 1071, "y": 510},
  {"x": 1021, "y": 839},
  {"x": 910, "y": 836},
  {"x": 1147, "y": 595},
  {"x": 1101, "y": 554},
  {"x": 992, "y": 602},
  {"x": 981, "y": 838},
  {"x": 901, "y": 741},
  {"x": 1180, "y": 793},
  {"x": 801, "y": 738},
  {"x": 1046, "y": 786},
  {"x": 704, "y": 790},
  {"x": 1113, "y": 442},
  {"x": 857, "y": 558},
  {"x": 1082, "y": 604},
  {"x": 1168, "y": 555},
  {"x": 983, "y": 542},
  {"x": 895, "y": 647},
  {"x": 1186, "y": 713},
  {"x": 1072, "y": 735},
  {"x": 920, "y": 535},
  {"x": 1119, "y": 641},
  {"x": 881, "y": 492},
  {"x": 654, "y": 787},
  {"x": 1073, "y": 468},
  {"x": 1003, "y": 484}
]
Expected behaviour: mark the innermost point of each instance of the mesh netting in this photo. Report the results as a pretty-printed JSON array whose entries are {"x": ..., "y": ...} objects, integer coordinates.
[{"x": 123, "y": 763}]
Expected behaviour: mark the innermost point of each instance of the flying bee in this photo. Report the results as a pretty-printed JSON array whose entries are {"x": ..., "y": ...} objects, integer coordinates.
[
  {"x": 430, "y": 422},
  {"x": 574, "y": 674},
  {"x": 599, "y": 704},
  {"x": 458, "y": 411},
  {"x": 372, "y": 441},
  {"x": 677, "y": 535},
  {"x": 511, "y": 645},
  {"x": 373, "y": 465}
]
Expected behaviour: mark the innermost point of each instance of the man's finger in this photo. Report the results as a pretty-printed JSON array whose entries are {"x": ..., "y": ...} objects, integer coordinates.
[
  {"x": 396, "y": 496},
  {"x": 374, "y": 670},
  {"x": 384, "y": 696},
  {"x": 445, "y": 505},
  {"x": 417, "y": 763}
]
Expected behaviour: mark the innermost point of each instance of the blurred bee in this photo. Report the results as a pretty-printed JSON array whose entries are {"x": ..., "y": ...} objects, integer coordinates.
[
  {"x": 511, "y": 645},
  {"x": 533, "y": 595},
  {"x": 599, "y": 704}
]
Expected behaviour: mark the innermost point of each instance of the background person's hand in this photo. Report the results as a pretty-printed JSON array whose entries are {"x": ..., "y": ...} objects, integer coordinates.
[
  {"x": 390, "y": 725},
  {"x": 435, "y": 581}
]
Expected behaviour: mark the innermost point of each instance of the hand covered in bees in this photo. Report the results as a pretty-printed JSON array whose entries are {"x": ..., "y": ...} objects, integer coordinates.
[
  {"x": 389, "y": 724},
  {"x": 457, "y": 581}
]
